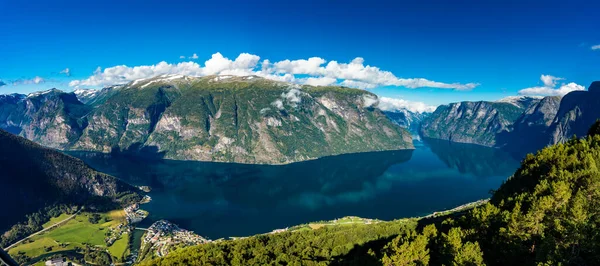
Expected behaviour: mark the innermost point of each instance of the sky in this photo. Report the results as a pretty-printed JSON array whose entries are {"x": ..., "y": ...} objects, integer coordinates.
[{"x": 412, "y": 53}]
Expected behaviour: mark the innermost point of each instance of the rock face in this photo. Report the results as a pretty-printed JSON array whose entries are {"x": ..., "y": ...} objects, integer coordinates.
[
  {"x": 215, "y": 118},
  {"x": 517, "y": 124},
  {"x": 33, "y": 176},
  {"x": 578, "y": 111},
  {"x": 531, "y": 130},
  {"x": 52, "y": 118},
  {"x": 472, "y": 122}
]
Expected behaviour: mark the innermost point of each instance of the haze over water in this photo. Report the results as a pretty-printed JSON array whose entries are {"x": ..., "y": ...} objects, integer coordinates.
[{"x": 223, "y": 199}]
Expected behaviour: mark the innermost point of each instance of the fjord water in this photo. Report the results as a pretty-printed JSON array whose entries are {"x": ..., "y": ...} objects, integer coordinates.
[{"x": 223, "y": 199}]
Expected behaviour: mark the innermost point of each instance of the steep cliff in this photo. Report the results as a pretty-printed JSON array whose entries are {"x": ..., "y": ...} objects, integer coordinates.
[{"x": 578, "y": 111}]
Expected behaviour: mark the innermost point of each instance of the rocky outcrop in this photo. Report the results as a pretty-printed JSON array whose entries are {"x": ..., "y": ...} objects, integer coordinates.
[{"x": 217, "y": 118}]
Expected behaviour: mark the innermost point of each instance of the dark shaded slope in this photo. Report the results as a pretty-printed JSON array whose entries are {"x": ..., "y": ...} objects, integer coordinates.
[{"x": 32, "y": 176}]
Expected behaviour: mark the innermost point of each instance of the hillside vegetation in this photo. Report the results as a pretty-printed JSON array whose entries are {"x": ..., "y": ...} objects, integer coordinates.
[
  {"x": 547, "y": 213},
  {"x": 44, "y": 183}
]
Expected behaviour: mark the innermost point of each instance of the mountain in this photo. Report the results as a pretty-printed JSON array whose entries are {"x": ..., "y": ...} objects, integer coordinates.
[
  {"x": 518, "y": 124},
  {"x": 407, "y": 119},
  {"x": 578, "y": 110},
  {"x": 33, "y": 177},
  {"x": 214, "y": 118},
  {"x": 11, "y": 112},
  {"x": 52, "y": 117},
  {"x": 531, "y": 130},
  {"x": 475, "y": 122}
]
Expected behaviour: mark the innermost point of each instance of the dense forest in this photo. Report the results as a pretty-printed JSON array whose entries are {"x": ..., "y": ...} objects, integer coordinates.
[{"x": 547, "y": 213}]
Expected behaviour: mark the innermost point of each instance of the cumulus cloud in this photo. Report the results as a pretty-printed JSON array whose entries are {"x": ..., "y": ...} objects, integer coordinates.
[
  {"x": 319, "y": 81},
  {"x": 596, "y": 47},
  {"x": 392, "y": 104},
  {"x": 369, "y": 100},
  {"x": 194, "y": 56},
  {"x": 312, "y": 71},
  {"x": 551, "y": 88},
  {"x": 182, "y": 57},
  {"x": 66, "y": 71},
  {"x": 549, "y": 81}
]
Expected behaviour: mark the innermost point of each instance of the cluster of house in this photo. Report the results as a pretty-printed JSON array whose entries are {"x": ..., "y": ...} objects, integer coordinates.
[
  {"x": 163, "y": 234},
  {"x": 115, "y": 232},
  {"x": 134, "y": 214}
]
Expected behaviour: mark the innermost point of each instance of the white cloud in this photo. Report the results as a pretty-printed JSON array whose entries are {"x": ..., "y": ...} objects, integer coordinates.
[
  {"x": 182, "y": 57},
  {"x": 66, "y": 71},
  {"x": 319, "y": 81},
  {"x": 392, "y": 104},
  {"x": 369, "y": 100},
  {"x": 194, "y": 56},
  {"x": 550, "y": 81},
  {"x": 596, "y": 47},
  {"x": 35, "y": 80},
  {"x": 313, "y": 71},
  {"x": 550, "y": 87}
]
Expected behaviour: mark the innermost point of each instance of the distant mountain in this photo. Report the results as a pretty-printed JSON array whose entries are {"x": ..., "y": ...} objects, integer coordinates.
[
  {"x": 33, "y": 177},
  {"x": 475, "y": 122},
  {"x": 214, "y": 118},
  {"x": 407, "y": 119},
  {"x": 12, "y": 112}
]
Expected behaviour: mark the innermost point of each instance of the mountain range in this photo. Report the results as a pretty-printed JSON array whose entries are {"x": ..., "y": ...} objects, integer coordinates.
[
  {"x": 256, "y": 120},
  {"x": 520, "y": 124},
  {"x": 214, "y": 118}
]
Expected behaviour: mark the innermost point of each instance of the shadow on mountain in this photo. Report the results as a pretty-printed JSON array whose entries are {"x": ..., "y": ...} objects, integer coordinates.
[
  {"x": 477, "y": 160},
  {"x": 137, "y": 150},
  {"x": 523, "y": 139},
  {"x": 331, "y": 175}
]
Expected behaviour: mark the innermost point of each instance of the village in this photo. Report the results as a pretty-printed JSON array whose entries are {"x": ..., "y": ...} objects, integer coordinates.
[{"x": 163, "y": 235}]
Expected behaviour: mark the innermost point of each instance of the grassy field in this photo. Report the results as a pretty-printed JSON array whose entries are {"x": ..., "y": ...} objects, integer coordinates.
[
  {"x": 55, "y": 220},
  {"x": 75, "y": 233},
  {"x": 120, "y": 248}
]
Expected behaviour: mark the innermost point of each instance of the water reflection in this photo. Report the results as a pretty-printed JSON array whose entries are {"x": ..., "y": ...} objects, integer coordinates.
[
  {"x": 223, "y": 199},
  {"x": 472, "y": 159}
]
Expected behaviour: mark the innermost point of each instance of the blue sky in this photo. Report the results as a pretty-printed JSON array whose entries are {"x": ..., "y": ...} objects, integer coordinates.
[{"x": 499, "y": 47}]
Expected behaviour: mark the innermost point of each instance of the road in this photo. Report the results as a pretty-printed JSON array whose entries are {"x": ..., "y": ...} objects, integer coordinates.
[{"x": 43, "y": 230}]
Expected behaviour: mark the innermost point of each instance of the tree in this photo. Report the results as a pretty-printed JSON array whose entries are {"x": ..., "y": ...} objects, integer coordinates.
[{"x": 594, "y": 129}]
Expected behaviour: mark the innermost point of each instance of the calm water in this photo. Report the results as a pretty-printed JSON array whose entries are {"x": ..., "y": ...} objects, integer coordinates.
[{"x": 221, "y": 199}]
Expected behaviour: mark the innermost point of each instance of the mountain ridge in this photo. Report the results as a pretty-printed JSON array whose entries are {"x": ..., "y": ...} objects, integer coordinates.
[{"x": 216, "y": 118}]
